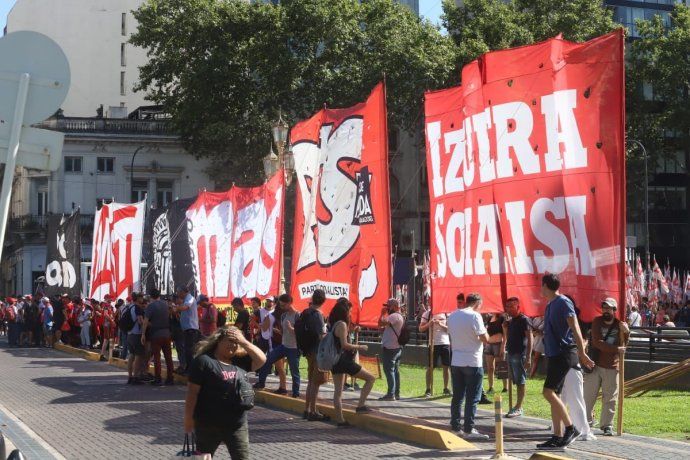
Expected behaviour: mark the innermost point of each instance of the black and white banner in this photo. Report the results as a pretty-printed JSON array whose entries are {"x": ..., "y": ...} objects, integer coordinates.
[
  {"x": 170, "y": 261},
  {"x": 63, "y": 256}
]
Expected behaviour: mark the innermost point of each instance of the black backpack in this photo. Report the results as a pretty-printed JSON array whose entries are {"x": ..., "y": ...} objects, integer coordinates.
[
  {"x": 126, "y": 322},
  {"x": 404, "y": 336},
  {"x": 307, "y": 339}
]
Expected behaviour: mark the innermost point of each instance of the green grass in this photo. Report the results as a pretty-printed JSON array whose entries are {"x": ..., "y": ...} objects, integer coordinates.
[{"x": 659, "y": 413}]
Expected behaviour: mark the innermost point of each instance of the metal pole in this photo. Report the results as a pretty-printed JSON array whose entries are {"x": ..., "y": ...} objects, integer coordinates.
[
  {"x": 621, "y": 391},
  {"x": 131, "y": 170},
  {"x": 498, "y": 418},
  {"x": 12, "y": 151},
  {"x": 646, "y": 194}
]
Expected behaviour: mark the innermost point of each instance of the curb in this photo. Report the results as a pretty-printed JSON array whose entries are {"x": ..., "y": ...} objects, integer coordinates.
[
  {"x": 547, "y": 456},
  {"x": 397, "y": 427}
]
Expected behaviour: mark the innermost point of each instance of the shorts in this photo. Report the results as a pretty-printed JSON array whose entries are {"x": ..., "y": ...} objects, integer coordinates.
[
  {"x": 47, "y": 330},
  {"x": 134, "y": 345},
  {"x": 492, "y": 349},
  {"x": 315, "y": 375},
  {"x": 557, "y": 368},
  {"x": 441, "y": 355},
  {"x": 346, "y": 365},
  {"x": 538, "y": 344},
  {"x": 518, "y": 373}
]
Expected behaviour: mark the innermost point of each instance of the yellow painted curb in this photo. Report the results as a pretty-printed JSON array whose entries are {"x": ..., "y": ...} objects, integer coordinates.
[
  {"x": 378, "y": 422},
  {"x": 397, "y": 427},
  {"x": 547, "y": 456}
]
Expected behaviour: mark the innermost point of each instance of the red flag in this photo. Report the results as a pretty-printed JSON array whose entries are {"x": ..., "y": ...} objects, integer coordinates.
[
  {"x": 526, "y": 172},
  {"x": 236, "y": 241},
  {"x": 342, "y": 215}
]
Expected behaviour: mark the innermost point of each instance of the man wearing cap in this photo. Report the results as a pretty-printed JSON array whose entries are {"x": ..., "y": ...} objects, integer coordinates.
[
  {"x": 609, "y": 337},
  {"x": 392, "y": 322}
]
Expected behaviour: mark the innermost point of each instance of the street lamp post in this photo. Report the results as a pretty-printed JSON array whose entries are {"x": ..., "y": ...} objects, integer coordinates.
[
  {"x": 646, "y": 195},
  {"x": 131, "y": 170},
  {"x": 274, "y": 163}
]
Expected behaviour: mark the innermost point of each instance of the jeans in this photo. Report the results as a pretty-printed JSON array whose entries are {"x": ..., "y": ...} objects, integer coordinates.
[
  {"x": 191, "y": 338},
  {"x": 467, "y": 385},
  {"x": 158, "y": 344},
  {"x": 236, "y": 439},
  {"x": 391, "y": 367},
  {"x": 13, "y": 334},
  {"x": 86, "y": 334},
  {"x": 123, "y": 345},
  {"x": 279, "y": 352}
]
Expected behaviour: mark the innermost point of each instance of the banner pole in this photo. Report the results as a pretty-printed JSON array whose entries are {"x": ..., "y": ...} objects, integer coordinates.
[
  {"x": 621, "y": 390},
  {"x": 431, "y": 353}
]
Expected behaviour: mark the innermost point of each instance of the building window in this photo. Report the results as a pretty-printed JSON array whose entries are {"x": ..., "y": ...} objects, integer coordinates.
[
  {"x": 101, "y": 201},
  {"x": 42, "y": 208},
  {"x": 139, "y": 190},
  {"x": 73, "y": 164},
  {"x": 123, "y": 86},
  {"x": 105, "y": 165},
  {"x": 123, "y": 56},
  {"x": 164, "y": 193},
  {"x": 123, "y": 26}
]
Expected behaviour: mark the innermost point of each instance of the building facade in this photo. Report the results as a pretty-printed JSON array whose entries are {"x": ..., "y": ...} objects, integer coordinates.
[{"x": 93, "y": 34}]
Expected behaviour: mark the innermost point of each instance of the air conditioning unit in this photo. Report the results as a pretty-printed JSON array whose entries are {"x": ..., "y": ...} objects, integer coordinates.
[{"x": 116, "y": 111}]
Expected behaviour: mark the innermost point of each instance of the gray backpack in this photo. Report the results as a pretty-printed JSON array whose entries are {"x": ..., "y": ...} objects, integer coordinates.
[{"x": 328, "y": 353}]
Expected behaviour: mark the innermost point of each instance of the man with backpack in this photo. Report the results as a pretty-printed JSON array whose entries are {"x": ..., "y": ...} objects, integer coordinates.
[
  {"x": 393, "y": 325},
  {"x": 131, "y": 322},
  {"x": 609, "y": 338},
  {"x": 310, "y": 328}
]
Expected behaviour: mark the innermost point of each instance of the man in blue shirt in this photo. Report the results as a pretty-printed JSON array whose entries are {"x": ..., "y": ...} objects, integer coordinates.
[
  {"x": 563, "y": 348},
  {"x": 189, "y": 321}
]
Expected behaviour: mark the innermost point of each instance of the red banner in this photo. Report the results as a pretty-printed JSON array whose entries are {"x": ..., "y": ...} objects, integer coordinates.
[
  {"x": 116, "y": 254},
  {"x": 235, "y": 240},
  {"x": 526, "y": 172},
  {"x": 342, "y": 215}
]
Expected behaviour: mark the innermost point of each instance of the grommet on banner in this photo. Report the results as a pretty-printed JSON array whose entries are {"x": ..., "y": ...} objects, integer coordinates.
[{"x": 588, "y": 91}]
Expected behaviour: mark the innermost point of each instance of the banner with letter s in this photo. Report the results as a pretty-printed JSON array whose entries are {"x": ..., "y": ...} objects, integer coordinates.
[
  {"x": 63, "y": 256},
  {"x": 116, "y": 254},
  {"x": 235, "y": 241},
  {"x": 342, "y": 241},
  {"x": 526, "y": 168}
]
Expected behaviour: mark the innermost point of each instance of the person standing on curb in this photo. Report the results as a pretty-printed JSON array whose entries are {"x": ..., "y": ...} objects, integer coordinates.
[
  {"x": 392, "y": 322},
  {"x": 189, "y": 321},
  {"x": 157, "y": 322},
  {"x": 136, "y": 359},
  {"x": 441, "y": 345},
  {"x": 517, "y": 343},
  {"x": 310, "y": 328},
  {"x": 609, "y": 337},
  {"x": 563, "y": 346},
  {"x": 467, "y": 338},
  {"x": 209, "y": 316}
]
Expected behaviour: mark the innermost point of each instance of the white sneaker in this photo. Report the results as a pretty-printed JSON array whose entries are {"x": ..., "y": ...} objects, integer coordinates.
[
  {"x": 587, "y": 437},
  {"x": 475, "y": 435}
]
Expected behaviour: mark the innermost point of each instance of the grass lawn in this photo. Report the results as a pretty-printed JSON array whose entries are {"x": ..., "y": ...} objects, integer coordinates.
[{"x": 659, "y": 413}]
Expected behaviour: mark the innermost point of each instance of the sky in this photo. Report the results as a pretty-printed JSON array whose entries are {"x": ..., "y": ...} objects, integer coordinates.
[{"x": 430, "y": 9}]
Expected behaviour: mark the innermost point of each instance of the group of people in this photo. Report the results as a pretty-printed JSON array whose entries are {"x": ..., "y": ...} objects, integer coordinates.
[{"x": 667, "y": 314}]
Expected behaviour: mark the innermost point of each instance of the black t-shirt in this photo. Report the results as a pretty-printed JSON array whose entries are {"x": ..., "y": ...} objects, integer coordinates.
[
  {"x": 217, "y": 380},
  {"x": 58, "y": 313},
  {"x": 243, "y": 318},
  {"x": 315, "y": 325},
  {"x": 515, "y": 344}
]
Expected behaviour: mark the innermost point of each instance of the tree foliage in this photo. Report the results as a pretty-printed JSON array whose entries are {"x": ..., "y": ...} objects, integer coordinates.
[{"x": 224, "y": 68}]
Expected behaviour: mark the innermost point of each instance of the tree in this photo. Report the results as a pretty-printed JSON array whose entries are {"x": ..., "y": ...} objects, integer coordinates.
[
  {"x": 224, "y": 68},
  {"x": 659, "y": 93},
  {"x": 479, "y": 26}
]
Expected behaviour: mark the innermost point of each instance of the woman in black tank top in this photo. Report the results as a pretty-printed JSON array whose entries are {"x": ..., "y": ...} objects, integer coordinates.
[{"x": 493, "y": 350}]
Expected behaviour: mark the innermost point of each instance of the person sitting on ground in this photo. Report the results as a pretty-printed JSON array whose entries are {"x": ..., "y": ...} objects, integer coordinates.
[
  {"x": 441, "y": 346},
  {"x": 492, "y": 350},
  {"x": 467, "y": 338},
  {"x": 339, "y": 321},
  {"x": 518, "y": 347},
  {"x": 221, "y": 361}
]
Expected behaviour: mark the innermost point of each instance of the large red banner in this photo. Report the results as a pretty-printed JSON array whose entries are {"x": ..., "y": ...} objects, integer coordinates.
[
  {"x": 342, "y": 216},
  {"x": 526, "y": 170},
  {"x": 235, "y": 241},
  {"x": 116, "y": 254}
]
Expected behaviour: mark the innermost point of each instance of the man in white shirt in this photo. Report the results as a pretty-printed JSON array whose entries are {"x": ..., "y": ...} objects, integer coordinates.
[
  {"x": 467, "y": 336},
  {"x": 634, "y": 318},
  {"x": 392, "y": 322},
  {"x": 441, "y": 345}
]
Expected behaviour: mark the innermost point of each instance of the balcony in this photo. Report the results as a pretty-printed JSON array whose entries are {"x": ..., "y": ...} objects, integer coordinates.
[
  {"x": 79, "y": 125},
  {"x": 33, "y": 229}
]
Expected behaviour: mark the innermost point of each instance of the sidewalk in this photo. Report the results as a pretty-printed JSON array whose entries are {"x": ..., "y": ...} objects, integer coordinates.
[{"x": 520, "y": 435}]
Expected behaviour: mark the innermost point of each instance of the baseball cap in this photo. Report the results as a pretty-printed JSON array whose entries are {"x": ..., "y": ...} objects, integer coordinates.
[
  {"x": 611, "y": 302},
  {"x": 202, "y": 298}
]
